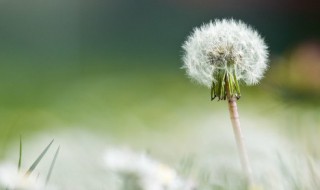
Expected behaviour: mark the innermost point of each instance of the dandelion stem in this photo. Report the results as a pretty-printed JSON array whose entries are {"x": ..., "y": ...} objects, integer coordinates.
[{"x": 234, "y": 116}]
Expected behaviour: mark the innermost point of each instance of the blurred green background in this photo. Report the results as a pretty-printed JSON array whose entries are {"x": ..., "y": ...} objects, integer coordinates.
[{"x": 113, "y": 66}]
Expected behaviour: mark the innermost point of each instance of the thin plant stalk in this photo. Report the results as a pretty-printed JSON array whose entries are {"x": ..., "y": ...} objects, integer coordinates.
[
  {"x": 234, "y": 117},
  {"x": 20, "y": 154}
]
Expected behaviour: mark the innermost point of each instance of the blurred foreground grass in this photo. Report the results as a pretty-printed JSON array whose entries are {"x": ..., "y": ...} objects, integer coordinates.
[{"x": 96, "y": 101}]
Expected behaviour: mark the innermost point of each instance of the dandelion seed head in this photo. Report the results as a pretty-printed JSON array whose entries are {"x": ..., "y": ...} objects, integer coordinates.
[{"x": 227, "y": 45}]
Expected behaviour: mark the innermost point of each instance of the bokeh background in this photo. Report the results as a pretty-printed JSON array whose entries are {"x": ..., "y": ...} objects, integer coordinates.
[{"x": 113, "y": 67}]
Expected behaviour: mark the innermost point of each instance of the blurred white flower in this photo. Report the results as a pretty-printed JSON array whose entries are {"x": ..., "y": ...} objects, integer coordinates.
[
  {"x": 152, "y": 175},
  {"x": 225, "y": 47},
  {"x": 11, "y": 178}
]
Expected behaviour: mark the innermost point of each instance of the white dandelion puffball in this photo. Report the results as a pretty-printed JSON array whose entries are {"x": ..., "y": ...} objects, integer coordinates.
[
  {"x": 11, "y": 178},
  {"x": 152, "y": 174},
  {"x": 226, "y": 46}
]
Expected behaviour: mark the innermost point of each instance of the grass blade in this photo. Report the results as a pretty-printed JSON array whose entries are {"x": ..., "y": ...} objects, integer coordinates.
[
  {"x": 36, "y": 162},
  {"x": 52, "y": 165},
  {"x": 20, "y": 154}
]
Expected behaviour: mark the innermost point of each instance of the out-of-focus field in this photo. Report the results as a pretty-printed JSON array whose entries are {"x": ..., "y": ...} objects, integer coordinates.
[
  {"x": 126, "y": 99},
  {"x": 91, "y": 103}
]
